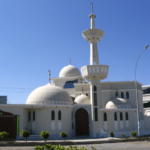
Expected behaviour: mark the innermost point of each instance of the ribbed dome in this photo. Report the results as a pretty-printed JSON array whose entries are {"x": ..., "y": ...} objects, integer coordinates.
[
  {"x": 117, "y": 103},
  {"x": 49, "y": 94},
  {"x": 82, "y": 99},
  {"x": 69, "y": 71}
]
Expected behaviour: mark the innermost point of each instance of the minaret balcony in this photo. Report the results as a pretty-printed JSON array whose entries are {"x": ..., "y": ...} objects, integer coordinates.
[
  {"x": 90, "y": 72},
  {"x": 93, "y": 35}
]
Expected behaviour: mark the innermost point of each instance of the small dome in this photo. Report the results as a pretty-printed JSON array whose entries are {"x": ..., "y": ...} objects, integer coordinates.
[
  {"x": 82, "y": 99},
  {"x": 117, "y": 103},
  {"x": 69, "y": 71},
  {"x": 49, "y": 94}
]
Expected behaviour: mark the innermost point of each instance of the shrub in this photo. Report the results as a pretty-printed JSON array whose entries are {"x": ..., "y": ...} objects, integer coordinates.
[
  {"x": 123, "y": 135},
  {"x": 111, "y": 134},
  {"x": 93, "y": 147},
  {"x": 63, "y": 135},
  {"x": 58, "y": 147},
  {"x": 45, "y": 135},
  {"x": 4, "y": 135},
  {"x": 25, "y": 134},
  {"x": 143, "y": 139},
  {"x": 133, "y": 133}
]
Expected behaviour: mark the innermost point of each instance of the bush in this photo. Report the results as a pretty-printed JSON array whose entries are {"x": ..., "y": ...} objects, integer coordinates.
[
  {"x": 25, "y": 134},
  {"x": 4, "y": 135},
  {"x": 133, "y": 133},
  {"x": 111, "y": 134},
  {"x": 123, "y": 135},
  {"x": 63, "y": 135},
  {"x": 45, "y": 135},
  {"x": 93, "y": 147},
  {"x": 143, "y": 139},
  {"x": 53, "y": 147}
]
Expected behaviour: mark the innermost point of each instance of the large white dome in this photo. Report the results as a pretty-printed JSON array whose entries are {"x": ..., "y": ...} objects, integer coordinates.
[
  {"x": 49, "y": 94},
  {"x": 69, "y": 71}
]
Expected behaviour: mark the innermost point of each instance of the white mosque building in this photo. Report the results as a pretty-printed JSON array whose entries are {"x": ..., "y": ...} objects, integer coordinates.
[{"x": 89, "y": 109}]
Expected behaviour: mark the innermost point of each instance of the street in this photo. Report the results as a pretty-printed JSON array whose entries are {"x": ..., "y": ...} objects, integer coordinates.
[{"x": 140, "y": 145}]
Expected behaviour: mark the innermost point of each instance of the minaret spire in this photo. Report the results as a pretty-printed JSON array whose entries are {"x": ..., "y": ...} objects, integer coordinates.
[
  {"x": 92, "y": 16},
  {"x": 93, "y": 36},
  {"x": 92, "y": 7}
]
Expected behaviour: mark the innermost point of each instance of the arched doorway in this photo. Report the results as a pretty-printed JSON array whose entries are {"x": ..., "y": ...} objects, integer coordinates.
[
  {"x": 9, "y": 123},
  {"x": 82, "y": 122}
]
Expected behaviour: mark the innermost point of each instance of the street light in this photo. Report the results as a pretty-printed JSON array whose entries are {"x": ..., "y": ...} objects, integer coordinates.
[{"x": 137, "y": 101}]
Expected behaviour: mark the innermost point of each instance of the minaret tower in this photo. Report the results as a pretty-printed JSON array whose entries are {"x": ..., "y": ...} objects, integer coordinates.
[{"x": 94, "y": 73}]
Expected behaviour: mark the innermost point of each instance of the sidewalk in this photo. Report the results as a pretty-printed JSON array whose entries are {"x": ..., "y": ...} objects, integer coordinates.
[{"x": 68, "y": 141}]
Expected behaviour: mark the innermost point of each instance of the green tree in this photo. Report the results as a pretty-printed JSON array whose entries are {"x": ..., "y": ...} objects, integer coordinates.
[
  {"x": 123, "y": 135},
  {"x": 45, "y": 135},
  {"x": 133, "y": 133},
  {"x": 63, "y": 135},
  {"x": 93, "y": 147},
  {"x": 111, "y": 134},
  {"x": 4, "y": 135},
  {"x": 25, "y": 134}
]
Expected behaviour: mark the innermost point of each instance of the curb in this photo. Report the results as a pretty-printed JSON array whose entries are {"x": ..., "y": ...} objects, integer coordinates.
[{"x": 70, "y": 143}]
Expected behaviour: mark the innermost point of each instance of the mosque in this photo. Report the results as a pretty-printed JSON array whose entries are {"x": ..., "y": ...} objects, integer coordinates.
[{"x": 79, "y": 104}]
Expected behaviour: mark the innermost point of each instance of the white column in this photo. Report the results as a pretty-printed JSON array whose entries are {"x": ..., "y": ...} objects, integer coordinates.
[
  {"x": 92, "y": 100},
  {"x": 92, "y": 23},
  {"x": 94, "y": 54}
]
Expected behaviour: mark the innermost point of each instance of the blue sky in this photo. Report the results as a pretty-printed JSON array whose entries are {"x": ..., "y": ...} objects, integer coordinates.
[{"x": 37, "y": 35}]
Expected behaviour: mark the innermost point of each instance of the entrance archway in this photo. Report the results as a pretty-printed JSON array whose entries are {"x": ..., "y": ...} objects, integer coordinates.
[
  {"x": 8, "y": 123},
  {"x": 82, "y": 122}
]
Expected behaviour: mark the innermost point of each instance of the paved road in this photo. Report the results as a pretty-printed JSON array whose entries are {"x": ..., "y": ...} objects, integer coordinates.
[{"x": 142, "y": 145}]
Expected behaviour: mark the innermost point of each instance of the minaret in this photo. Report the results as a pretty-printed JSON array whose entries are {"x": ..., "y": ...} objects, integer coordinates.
[
  {"x": 93, "y": 36},
  {"x": 94, "y": 73}
]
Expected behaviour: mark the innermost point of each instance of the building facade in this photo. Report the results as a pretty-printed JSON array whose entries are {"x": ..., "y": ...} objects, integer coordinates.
[{"x": 80, "y": 104}]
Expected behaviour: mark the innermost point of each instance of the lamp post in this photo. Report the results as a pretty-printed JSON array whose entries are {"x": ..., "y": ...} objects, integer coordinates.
[{"x": 137, "y": 101}]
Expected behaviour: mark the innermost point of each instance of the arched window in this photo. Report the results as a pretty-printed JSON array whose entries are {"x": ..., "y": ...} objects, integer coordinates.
[
  {"x": 127, "y": 118},
  {"x": 117, "y": 94},
  {"x": 52, "y": 115},
  {"x": 33, "y": 115},
  {"x": 127, "y": 95},
  {"x": 59, "y": 115},
  {"x": 95, "y": 88},
  {"x": 95, "y": 99},
  {"x": 115, "y": 116},
  {"x": 122, "y": 95},
  {"x": 105, "y": 117},
  {"x": 121, "y": 116},
  {"x": 96, "y": 114},
  {"x": 29, "y": 116}
]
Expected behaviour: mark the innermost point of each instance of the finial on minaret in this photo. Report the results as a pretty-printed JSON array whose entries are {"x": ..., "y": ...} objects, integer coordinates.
[
  {"x": 49, "y": 75},
  {"x": 82, "y": 90},
  {"x": 92, "y": 7},
  {"x": 69, "y": 61}
]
